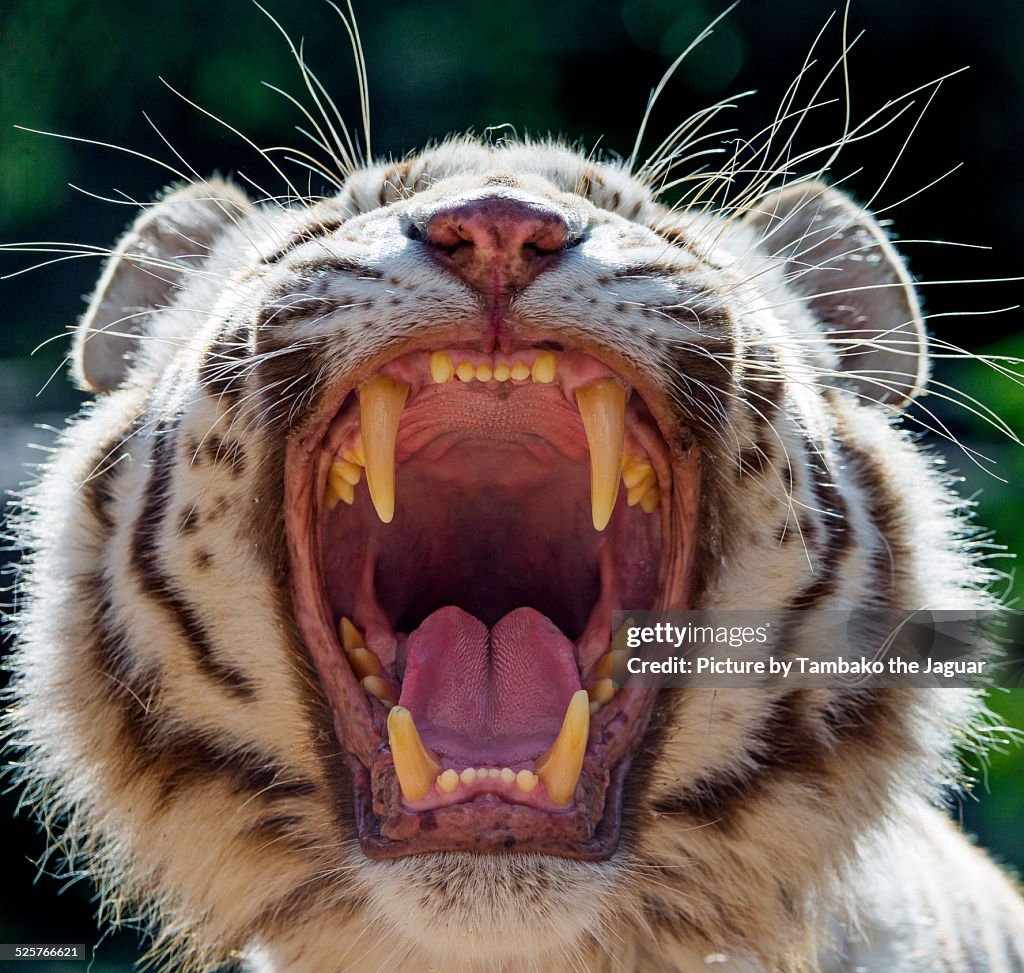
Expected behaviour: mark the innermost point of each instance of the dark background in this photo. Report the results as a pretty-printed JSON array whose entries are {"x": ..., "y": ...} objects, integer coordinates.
[{"x": 579, "y": 68}]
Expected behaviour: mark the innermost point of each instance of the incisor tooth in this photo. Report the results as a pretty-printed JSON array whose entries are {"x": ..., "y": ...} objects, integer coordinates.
[
  {"x": 484, "y": 373},
  {"x": 526, "y": 780},
  {"x": 507, "y": 775},
  {"x": 559, "y": 768},
  {"x": 602, "y": 406},
  {"x": 544, "y": 367},
  {"x": 520, "y": 371},
  {"x": 502, "y": 372},
  {"x": 381, "y": 401},
  {"x": 415, "y": 766},
  {"x": 441, "y": 369},
  {"x": 448, "y": 781},
  {"x": 351, "y": 637},
  {"x": 468, "y": 775},
  {"x": 466, "y": 372}
]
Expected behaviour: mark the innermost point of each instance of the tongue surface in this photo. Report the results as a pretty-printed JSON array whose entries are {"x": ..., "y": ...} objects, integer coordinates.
[{"x": 489, "y": 697}]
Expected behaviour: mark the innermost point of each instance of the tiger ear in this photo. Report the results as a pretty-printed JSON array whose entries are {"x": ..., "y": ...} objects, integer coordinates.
[
  {"x": 170, "y": 238},
  {"x": 856, "y": 285}
]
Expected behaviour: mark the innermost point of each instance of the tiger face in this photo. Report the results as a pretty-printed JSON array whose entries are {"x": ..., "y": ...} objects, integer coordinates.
[{"x": 316, "y": 654}]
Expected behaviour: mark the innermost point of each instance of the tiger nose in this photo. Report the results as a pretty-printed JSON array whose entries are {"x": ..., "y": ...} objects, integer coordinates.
[{"x": 496, "y": 242}]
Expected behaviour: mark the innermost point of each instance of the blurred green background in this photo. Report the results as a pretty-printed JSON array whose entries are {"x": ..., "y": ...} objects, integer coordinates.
[{"x": 581, "y": 68}]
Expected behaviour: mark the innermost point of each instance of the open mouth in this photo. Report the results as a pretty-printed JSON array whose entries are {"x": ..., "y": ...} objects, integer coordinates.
[{"x": 462, "y": 526}]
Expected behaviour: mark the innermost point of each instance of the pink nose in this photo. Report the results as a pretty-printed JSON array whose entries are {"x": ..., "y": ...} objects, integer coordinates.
[{"x": 496, "y": 242}]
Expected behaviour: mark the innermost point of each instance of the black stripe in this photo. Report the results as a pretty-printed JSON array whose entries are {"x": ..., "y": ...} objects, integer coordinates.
[
  {"x": 786, "y": 744},
  {"x": 156, "y": 584},
  {"x": 838, "y": 536},
  {"x": 177, "y": 757}
]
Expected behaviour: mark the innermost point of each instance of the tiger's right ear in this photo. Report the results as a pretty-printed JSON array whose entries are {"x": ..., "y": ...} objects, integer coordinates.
[{"x": 170, "y": 238}]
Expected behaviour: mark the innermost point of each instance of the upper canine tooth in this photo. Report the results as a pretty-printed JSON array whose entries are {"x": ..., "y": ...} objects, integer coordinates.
[
  {"x": 381, "y": 401},
  {"x": 602, "y": 406},
  {"x": 415, "y": 766},
  {"x": 544, "y": 367},
  {"x": 441, "y": 369},
  {"x": 559, "y": 768}
]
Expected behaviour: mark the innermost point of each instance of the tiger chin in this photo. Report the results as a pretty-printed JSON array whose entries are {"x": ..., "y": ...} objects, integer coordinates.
[{"x": 314, "y": 652}]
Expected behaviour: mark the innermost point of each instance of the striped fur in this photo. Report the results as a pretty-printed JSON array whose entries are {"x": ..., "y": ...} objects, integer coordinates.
[{"x": 172, "y": 730}]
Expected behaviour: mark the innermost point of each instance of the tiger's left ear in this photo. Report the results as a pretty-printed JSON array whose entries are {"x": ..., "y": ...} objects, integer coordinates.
[{"x": 855, "y": 283}]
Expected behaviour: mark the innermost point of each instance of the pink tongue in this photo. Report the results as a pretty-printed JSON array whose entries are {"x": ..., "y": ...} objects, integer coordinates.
[{"x": 495, "y": 697}]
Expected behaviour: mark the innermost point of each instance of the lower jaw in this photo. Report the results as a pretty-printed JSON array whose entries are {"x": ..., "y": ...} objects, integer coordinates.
[{"x": 586, "y": 831}]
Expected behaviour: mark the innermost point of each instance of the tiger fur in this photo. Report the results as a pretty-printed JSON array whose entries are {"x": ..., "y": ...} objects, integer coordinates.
[{"x": 173, "y": 730}]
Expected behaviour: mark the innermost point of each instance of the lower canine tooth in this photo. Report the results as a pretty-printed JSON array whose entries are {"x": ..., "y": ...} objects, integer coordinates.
[
  {"x": 415, "y": 766},
  {"x": 602, "y": 406},
  {"x": 381, "y": 401},
  {"x": 559, "y": 769}
]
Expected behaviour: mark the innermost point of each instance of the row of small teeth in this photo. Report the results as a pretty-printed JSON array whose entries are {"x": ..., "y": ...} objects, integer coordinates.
[
  {"x": 448, "y": 780},
  {"x": 602, "y": 405},
  {"x": 419, "y": 770},
  {"x": 543, "y": 370}
]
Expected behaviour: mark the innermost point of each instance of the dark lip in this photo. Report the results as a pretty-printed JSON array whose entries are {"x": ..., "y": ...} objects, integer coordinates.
[{"x": 589, "y": 830}]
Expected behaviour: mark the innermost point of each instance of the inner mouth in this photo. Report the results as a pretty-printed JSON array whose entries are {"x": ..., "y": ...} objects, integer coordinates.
[{"x": 462, "y": 528}]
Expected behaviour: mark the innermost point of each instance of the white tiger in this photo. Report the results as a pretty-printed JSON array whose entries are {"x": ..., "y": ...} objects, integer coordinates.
[{"x": 313, "y": 663}]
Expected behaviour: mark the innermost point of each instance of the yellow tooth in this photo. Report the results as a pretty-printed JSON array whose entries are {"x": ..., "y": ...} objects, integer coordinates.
[
  {"x": 364, "y": 663},
  {"x": 376, "y": 686},
  {"x": 520, "y": 371},
  {"x": 466, "y": 372},
  {"x": 526, "y": 780},
  {"x": 502, "y": 372},
  {"x": 544, "y": 367},
  {"x": 340, "y": 487},
  {"x": 602, "y": 406},
  {"x": 441, "y": 370},
  {"x": 354, "y": 456},
  {"x": 351, "y": 637},
  {"x": 381, "y": 400},
  {"x": 493, "y": 773},
  {"x": 560, "y": 767},
  {"x": 603, "y": 691},
  {"x": 606, "y": 664},
  {"x": 650, "y": 500},
  {"x": 468, "y": 775},
  {"x": 484, "y": 373},
  {"x": 635, "y": 494},
  {"x": 448, "y": 781},
  {"x": 635, "y": 473},
  {"x": 507, "y": 775},
  {"x": 595, "y": 708},
  {"x": 416, "y": 767},
  {"x": 330, "y": 497},
  {"x": 350, "y": 473}
]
